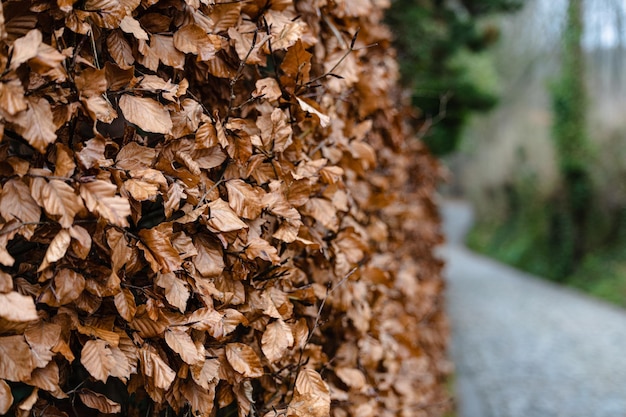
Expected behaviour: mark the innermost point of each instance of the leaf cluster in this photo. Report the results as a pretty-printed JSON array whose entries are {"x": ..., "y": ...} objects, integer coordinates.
[{"x": 210, "y": 206}]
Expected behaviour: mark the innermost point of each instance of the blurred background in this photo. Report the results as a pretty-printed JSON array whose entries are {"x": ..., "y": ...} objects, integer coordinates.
[{"x": 524, "y": 102}]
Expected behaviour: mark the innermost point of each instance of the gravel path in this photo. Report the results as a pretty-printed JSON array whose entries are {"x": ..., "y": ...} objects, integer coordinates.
[{"x": 524, "y": 347}]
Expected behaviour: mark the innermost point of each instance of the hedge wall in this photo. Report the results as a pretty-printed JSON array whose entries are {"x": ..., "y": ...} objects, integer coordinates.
[{"x": 212, "y": 208}]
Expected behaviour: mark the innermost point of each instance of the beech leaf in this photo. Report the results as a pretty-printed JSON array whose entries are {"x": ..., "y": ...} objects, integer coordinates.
[
  {"x": 60, "y": 199},
  {"x": 99, "y": 402},
  {"x": 36, "y": 124},
  {"x": 276, "y": 339},
  {"x": 16, "y": 363},
  {"x": 222, "y": 218},
  {"x": 99, "y": 197},
  {"x": 98, "y": 359},
  {"x": 244, "y": 199},
  {"x": 17, "y": 203},
  {"x": 146, "y": 113},
  {"x": 68, "y": 285},
  {"x": 176, "y": 291},
  {"x": 57, "y": 249},
  {"x": 6, "y": 397},
  {"x": 16, "y": 307},
  {"x": 125, "y": 304},
  {"x": 161, "y": 249},
  {"x": 180, "y": 342},
  {"x": 312, "y": 396},
  {"x": 244, "y": 360}
]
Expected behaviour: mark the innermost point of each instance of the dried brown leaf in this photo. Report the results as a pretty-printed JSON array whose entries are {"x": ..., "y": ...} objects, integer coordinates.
[
  {"x": 68, "y": 285},
  {"x": 323, "y": 211},
  {"x": 12, "y": 99},
  {"x": 98, "y": 359},
  {"x": 56, "y": 250},
  {"x": 125, "y": 304},
  {"x": 132, "y": 26},
  {"x": 99, "y": 197},
  {"x": 36, "y": 124},
  {"x": 160, "y": 49},
  {"x": 267, "y": 88},
  {"x": 17, "y": 203},
  {"x": 244, "y": 199},
  {"x": 99, "y": 402},
  {"x": 81, "y": 241},
  {"x": 6, "y": 397},
  {"x": 60, "y": 199},
  {"x": 308, "y": 108},
  {"x": 176, "y": 291},
  {"x": 244, "y": 360},
  {"x": 222, "y": 218},
  {"x": 25, "y": 48},
  {"x": 156, "y": 369},
  {"x": 297, "y": 64},
  {"x": 47, "y": 379},
  {"x": 160, "y": 246},
  {"x": 192, "y": 39},
  {"x": 180, "y": 342},
  {"x": 120, "y": 50},
  {"x": 262, "y": 249},
  {"x": 312, "y": 396},
  {"x": 16, "y": 363},
  {"x": 354, "y": 378},
  {"x": 146, "y": 113},
  {"x": 207, "y": 373},
  {"x": 209, "y": 261},
  {"x": 64, "y": 164},
  {"x": 17, "y": 307},
  {"x": 277, "y": 338},
  {"x": 6, "y": 282},
  {"x": 92, "y": 153},
  {"x": 135, "y": 156},
  {"x": 275, "y": 130}
]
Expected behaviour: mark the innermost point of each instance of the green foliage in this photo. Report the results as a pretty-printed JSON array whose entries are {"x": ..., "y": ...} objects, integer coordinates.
[
  {"x": 573, "y": 200},
  {"x": 442, "y": 57}
]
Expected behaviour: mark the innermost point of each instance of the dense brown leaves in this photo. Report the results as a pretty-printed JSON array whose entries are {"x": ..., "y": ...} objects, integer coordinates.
[{"x": 210, "y": 208}]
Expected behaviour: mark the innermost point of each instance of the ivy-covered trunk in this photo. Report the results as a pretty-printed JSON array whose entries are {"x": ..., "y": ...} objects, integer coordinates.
[{"x": 575, "y": 197}]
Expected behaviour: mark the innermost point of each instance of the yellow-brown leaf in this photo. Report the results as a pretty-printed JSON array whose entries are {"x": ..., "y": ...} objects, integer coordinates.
[
  {"x": 176, "y": 291},
  {"x": 6, "y": 397},
  {"x": 36, "y": 124},
  {"x": 99, "y": 197},
  {"x": 16, "y": 363},
  {"x": 125, "y": 304},
  {"x": 99, "y": 402},
  {"x": 244, "y": 360},
  {"x": 158, "y": 242},
  {"x": 244, "y": 199},
  {"x": 16, "y": 307},
  {"x": 180, "y": 342},
  {"x": 98, "y": 359},
  {"x": 17, "y": 203},
  {"x": 68, "y": 285},
  {"x": 156, "y": 368},
  {"x": 276, "y": 339},
  {"x": 312, "y": 396},
  {"x": 146, "y": 113},
  {"x": 222, "y": 218},
  {"x": 57, "y": 249},
  {"x": 60, "y": 199}
]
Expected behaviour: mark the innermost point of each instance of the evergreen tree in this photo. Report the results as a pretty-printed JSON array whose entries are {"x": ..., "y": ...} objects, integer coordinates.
[{"x": 440, "y": 47}]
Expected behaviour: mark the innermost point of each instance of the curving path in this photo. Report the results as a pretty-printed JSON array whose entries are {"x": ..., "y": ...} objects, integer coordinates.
[{"x": 524, "y": 347}]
